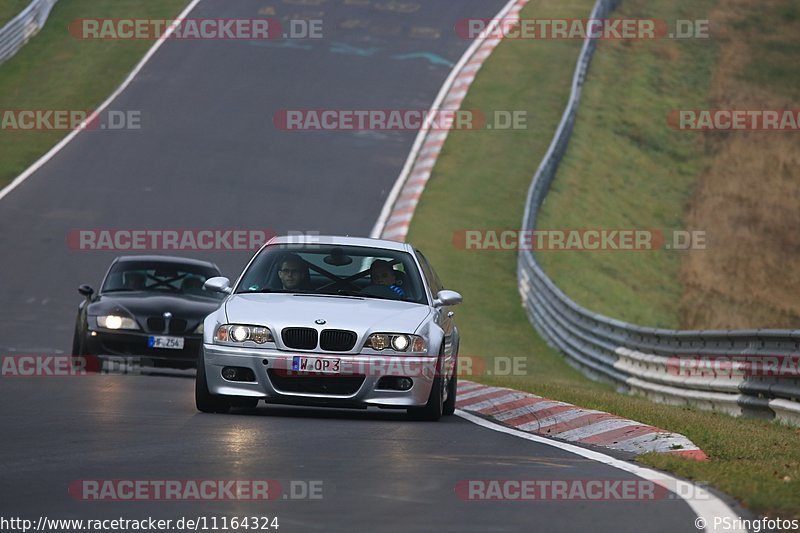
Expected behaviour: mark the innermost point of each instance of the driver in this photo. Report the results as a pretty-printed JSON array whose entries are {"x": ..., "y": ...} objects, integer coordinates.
[
  {"x": 382, "y": 274},
  {"x": 294, "y": 274}
]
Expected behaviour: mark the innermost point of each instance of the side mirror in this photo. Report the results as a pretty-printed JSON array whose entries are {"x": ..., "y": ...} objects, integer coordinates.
[
  {"x": 86, "y": 291},
  {"x": 447, "y": 298},
  {"x": 218, "y": 284}
]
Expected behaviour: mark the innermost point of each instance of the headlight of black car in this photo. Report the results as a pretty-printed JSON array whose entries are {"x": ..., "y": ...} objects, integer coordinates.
[{"x": 116, "y": 322}]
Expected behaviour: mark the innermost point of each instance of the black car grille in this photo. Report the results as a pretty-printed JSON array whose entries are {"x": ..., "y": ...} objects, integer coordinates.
[
  {"x": 155, "y": 324},
  {"x": 334, "y": 385},
  {"x": 299, "y": 338},
  {"x": 337, "y": 340}
]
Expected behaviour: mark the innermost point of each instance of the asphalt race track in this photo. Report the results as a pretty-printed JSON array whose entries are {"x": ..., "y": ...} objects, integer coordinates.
[{"x": 209, "y": 156}]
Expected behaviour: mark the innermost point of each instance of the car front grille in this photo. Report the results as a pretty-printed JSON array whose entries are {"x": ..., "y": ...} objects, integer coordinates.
[
  {"x": 337, "y": 340},
  {"x": 305, "y": 384},
  {"x": 299, "y": 338},
  {"x": 155, "y": 324}
]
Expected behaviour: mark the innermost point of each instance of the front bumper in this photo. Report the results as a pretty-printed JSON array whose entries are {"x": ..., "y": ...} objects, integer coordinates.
[
  {"x": 134, "y": 343},
  {"x": 357, "y": 386}
]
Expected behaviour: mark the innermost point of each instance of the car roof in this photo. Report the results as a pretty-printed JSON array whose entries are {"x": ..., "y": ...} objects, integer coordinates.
[
  {"x": 165, "y": 259},
  {"x": 338, "y": 240}
]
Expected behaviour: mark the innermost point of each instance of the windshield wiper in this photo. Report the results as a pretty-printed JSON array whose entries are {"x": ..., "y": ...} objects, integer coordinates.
[{"x": 270, "y": 291}]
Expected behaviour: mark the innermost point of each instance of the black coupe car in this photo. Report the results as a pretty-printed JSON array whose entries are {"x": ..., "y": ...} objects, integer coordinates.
[{"x": 148, "y": 306}]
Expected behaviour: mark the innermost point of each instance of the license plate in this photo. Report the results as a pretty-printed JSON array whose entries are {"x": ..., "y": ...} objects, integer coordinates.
[
  {"x": 170, "y": 343},
  {"x": 316, "y": 364}
]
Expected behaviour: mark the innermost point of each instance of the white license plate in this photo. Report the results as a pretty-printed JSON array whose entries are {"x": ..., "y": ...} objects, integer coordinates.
[
  {"x": 170, "y": 343},
  {"x": 316, "y": 364}
]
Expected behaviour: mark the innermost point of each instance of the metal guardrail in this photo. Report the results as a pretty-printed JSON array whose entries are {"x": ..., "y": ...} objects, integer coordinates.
[
  {"x": 23, "y": 27},
  {"x": 652, "y": 361}
]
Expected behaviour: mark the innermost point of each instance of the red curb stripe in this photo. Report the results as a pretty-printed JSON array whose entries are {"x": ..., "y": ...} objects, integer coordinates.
[
  {"x": 697, "y": 455},
  {"x": 522, "y": 402},
  {"x": 581, "y": 421},
  {"x": 395, "y": 225},
  {"x": 538, "y": 415}
]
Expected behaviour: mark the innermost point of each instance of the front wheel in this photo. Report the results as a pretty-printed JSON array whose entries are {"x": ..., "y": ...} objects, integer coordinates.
[
  {"x": 81, "y": 359},
  {"x": 434, "y": 409},
  {"x": 204, "y": 400},
  {"x": 452, "y": 388}
]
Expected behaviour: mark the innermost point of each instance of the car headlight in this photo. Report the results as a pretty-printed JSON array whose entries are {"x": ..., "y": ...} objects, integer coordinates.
[
  {"x": 398, "y": 342},
  {"x": 240, "y": 333},
  {"x": 199, "y": 329},
  {"x": 116, "y": 322}
]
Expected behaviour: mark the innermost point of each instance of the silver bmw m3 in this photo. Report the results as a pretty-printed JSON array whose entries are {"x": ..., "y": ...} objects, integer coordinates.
[{"x": 332, "y": 321}]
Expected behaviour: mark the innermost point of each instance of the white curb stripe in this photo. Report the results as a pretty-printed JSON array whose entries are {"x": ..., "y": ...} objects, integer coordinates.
[
  {"x": 552, "y": 420},
  {"x": 496, "y": 402},
  {"x": 529, "y": 409},
  {"x": 596, "y": 429},
  {"x": 477, "y": 393}
]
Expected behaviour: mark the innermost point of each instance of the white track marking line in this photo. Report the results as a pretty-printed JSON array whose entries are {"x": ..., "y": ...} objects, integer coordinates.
[
  {"x": 705, "y": 505},
  {"x": 74, "y": 133}
]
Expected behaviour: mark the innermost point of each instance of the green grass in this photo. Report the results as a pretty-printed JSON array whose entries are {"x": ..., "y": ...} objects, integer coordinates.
[
  {"x": 626, "y": 169},
  {"x": 481, "y": 180},
  {"x": 10, "y": 9},
  {"x": 57, "y": 71}
]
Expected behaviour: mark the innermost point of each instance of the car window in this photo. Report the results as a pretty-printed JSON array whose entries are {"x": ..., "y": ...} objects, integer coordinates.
[
  {"x": 335, "y": 270},
  {"x": 150, "y": 276},
  {"x": 431, "y": 277}
]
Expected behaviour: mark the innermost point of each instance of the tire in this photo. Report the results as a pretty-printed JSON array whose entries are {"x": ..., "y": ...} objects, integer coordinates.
[
  {"x": 434, "y": 409},
  {"x": 77, "y": 343},
  {"x": 449, "y": 406},
  {"x": 245, "y": 402},
  {"x": 81, "y": 359},
  {"x": 204, "y": 400}
]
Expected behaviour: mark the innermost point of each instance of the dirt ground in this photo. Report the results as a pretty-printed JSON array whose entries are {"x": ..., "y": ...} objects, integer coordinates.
[{"x": 748, "y": 199}]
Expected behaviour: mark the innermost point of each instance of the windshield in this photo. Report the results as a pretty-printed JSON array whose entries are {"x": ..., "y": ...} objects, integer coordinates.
[
  {"x": 335, "y": 270},
  {"x": 161, "y": 277}
]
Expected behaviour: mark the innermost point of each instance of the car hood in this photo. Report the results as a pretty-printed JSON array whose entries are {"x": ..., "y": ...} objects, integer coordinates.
[
  {"x": 142, "y": 304},
  {"x": 362, "y": 315}
]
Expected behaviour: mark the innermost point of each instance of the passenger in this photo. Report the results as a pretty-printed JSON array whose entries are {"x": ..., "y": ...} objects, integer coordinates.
[
  {"x": 193, "y": 285},
  {"x": 294, "y": 274},
  {"x": 135, "y": 281},
  {"x": 383, "y": 276}
]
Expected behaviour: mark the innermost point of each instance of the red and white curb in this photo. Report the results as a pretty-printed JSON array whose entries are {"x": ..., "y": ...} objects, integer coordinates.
[
  {"x": 564, "y": 421},
  {"x": 402, "y": 202}
]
